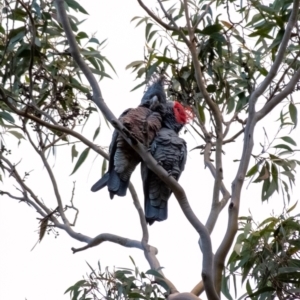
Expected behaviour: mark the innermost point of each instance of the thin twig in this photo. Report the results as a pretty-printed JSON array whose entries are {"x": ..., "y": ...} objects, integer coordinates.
[
  {"x": 24, "y": 187},
  {"x": 72, "y": 206},
  {"x": 50, "y": 173},
  {"x": 279, "y": 55},
  {"x": 279, "y": 97},
  {"x": 179, "y": 30},
  {"x": 217, "y": 116},
  {"x": 32, "y": 52},
  {"x": 203, "y": 14},
  {"x": 218, "y": 205},
  {"x": 154, "y": 17},
  {"x": 232, "y": 139}
]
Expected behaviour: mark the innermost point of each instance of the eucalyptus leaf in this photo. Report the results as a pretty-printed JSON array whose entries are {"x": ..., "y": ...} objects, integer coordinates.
[{"x": 81, "y": 160}]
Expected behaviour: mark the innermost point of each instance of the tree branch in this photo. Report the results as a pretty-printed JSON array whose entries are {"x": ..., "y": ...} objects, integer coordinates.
[
  {"x": 148, "y": 253},
  {"x": 149, "y": 160},
  {"x": 72, "y": 205},
  {"x": 50, "y": 173},
  {"x": 183, "y": 296},
  {"x": 26, "y": 200},
  {"x": 217, "y": 206},
  {"x": 108, "y": 237},
  {"x": 55, "y": 127},
  {"x": 203, "y": 14},
  {"x": 247, "y": 149},
  {"x": 283, "y": 75},
  {"x": 280, "y": 54},
  {"x": 198, "y": 289},
  {"x": 212, "y": 105},
  {"x": 279, "y": 97},
  {"x": 232, "y": 139},
  {"x": 233, "y": 208},
  {"x": 128, "y": 243},
  {"x": 168, "y": 16},
  {"x": 32, "y": 52},
  {"x": 13, "y": 172},
  {"x": 154, "y": 17}
]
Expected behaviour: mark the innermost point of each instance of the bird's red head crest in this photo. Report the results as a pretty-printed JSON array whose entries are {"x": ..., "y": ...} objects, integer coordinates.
[{"x": 182, "y": 114}]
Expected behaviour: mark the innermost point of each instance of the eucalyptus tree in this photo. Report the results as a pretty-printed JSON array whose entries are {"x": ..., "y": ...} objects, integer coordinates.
[{"x": 232, "y": 64}]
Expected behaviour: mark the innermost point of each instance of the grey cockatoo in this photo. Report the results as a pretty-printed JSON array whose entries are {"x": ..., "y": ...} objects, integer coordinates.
[
  {"x": 155, "y": 91},
  {"x": 170, "y": 151},
  {"x": 123, "y": 159}
]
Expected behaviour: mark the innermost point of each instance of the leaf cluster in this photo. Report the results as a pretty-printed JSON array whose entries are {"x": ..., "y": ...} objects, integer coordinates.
[
  {"x": 231, "y": 65},
  {"x": 38, "y": 74},
  {"x": 234, "y": 56},
  {"x": 121, "y": 284},
  {"x": 275, "y": 167},
  {"x": 267, "y": 255}
]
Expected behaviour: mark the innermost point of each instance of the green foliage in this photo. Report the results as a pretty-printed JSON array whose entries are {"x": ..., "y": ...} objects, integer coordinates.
[
  {"x": 266, "y": 255},
  {"x": 38, "y": 74},
  {"x": 236, "y": 44},
  {"x": 118, "y": 284},
  {"x": 235, "y": 57},
  {"x": 230, "y": 67},
  {"x": 274, "y": 166},
  {"x": 81, "y": 159},
  {"x": 39, "y": 77}
]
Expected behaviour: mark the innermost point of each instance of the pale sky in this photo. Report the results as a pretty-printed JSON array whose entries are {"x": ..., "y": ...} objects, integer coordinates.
[{"x": 47, "y": 271}]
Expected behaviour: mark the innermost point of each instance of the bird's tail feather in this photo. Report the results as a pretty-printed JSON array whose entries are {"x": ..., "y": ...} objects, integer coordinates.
[
  {"x": 101, "y": 183},
  {"x": 155, "y": 213},
  {"x": 116, "y": 185},
  {"x": 123, "y": 188}
]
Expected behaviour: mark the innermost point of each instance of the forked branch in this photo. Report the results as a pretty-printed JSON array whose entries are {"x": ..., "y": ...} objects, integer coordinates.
[
  {"x": 149, "y": 160},
  {"x": 252, "y": 120},
  {"x": 279, "y": 55}
]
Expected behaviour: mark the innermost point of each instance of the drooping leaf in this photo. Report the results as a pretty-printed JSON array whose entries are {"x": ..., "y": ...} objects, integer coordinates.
[
  {"x": 74, "y": 152},
  {"x": 289, "y": 140},
  {"x": 283, "y": 146},
  {"x": 225, "y": 287},
  {"x": 76, "y": 84},
  {"x": 264, "y": 174},
  {"x": 201, "y": 112},
  {"x": 103, "y": 169},
  {"x": 292, "y": 207},
  {"x": 6, "y": 116},
  {"x": 293, "y": 113},
  {"x": 81, "y": 160},
  {"x": 17, "y": 134},
  {"x": 76, "y": 286},
  {"x": 211, "y": 88},
  {"x": 166, "y": 60},
  {"x": 96, "y": 132},
  {"x": 148, "y": 28},
  {"x": 82, "y": 35},
  {"x": 252, "y": 171},
  {"x": 154, "y": 273},
  {"x": 43, "y": 228},
  {"x": 210, "y": 29},
  {"x": 76, "y": 6},
  {"x": 262, "y": 290},
  {"x": 135, "y": 295},
  {"x": 134, "y": 64}
]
